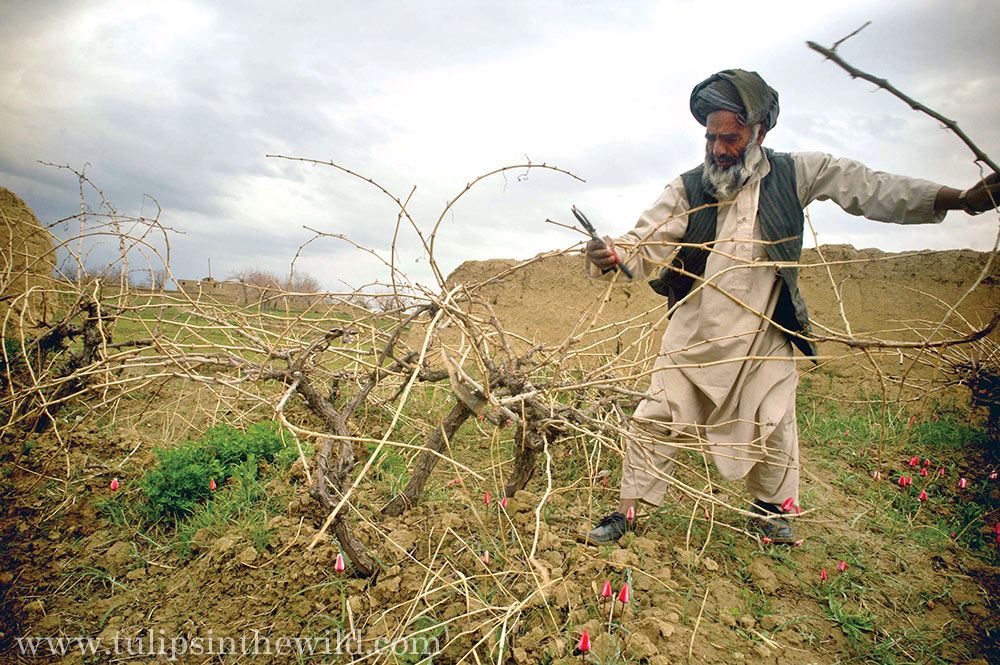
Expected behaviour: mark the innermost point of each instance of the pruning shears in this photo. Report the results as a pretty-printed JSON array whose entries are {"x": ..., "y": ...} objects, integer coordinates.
[{"x": 589, "y": 228}]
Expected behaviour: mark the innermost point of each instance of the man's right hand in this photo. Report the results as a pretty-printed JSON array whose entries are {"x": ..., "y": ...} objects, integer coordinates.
[{"x": 602, "y": 256}]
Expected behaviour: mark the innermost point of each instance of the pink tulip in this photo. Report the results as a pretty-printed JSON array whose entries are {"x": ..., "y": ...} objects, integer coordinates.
[
  {"x": 902, "y": 481},
  {"x": 923, "y": 472},
  {"x": 606, "y": 591},
  {"x": 798, "y": 543},
  {"x": 788, "y": 505},
  {"x": 909, "y": 480},
  {"x": 842, "y": 566},
  {"x": 114, "y": 483},
  {"x": 941, "y": 472},
  {"x": 630, "y": 514},
  {"x": 952, "y": 534},
  {"x": 339, "y": 564},
  {"x": 212, "y": 485},
  {"x": 766, "y": 540},
  {"x": 927, "y": 462},
  {"x": 847, "y": 433},
  {"x": 914, "y": 460},
  {"x": 876, "y": 476},
  {"x": 923, "y": 495},
  {"x": 822, "y": 574},
  {"x": 486, "y": 499},
  {"x": 503, "y": 503},
  {"x": 604, "y": 481},
  {"x": 962, "y": 483},
  {"x": 993, "y": 476},
  {"x": 996, "y": 528},
  {"x": 486, "y": 557},
  {"x": 624, "y": 595},
  {"x": 454, "y": 481},
  {"x": 583, "y": 646}
]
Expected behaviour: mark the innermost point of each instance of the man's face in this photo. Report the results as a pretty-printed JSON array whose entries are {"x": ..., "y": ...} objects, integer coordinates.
[{"x": 726, "y": 139}]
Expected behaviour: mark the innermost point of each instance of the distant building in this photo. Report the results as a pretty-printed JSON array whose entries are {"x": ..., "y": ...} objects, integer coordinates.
[{"x": 239, "y": 293}]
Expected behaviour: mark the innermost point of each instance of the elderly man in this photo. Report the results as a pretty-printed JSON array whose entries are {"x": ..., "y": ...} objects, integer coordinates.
[{"x": 725, "y": 379}]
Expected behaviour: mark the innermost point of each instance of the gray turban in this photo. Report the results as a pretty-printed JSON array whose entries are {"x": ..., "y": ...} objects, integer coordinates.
[{"x": 744, "y": 93}]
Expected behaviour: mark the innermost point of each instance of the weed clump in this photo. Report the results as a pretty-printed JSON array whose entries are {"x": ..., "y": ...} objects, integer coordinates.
[{"x": 182, "y": 479}]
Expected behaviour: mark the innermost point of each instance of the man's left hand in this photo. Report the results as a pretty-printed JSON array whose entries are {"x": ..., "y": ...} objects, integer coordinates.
[{"x": 984, "y": 195}]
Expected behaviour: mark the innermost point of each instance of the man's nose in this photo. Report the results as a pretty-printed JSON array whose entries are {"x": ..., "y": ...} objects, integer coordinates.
[{"x": 718, "y": 149}]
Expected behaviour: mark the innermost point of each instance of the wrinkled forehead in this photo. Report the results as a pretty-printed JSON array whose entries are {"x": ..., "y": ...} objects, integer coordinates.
[{"x": 724, "y": 122}]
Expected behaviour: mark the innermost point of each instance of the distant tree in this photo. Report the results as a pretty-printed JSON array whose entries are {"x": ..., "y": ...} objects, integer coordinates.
[
  {"x": 262, "y": 286},
  {"x": 306, "y": 288}
]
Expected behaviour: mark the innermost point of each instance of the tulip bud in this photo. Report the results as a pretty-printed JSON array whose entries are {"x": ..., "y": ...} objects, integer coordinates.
[
  {"x": 630, "y": 514},
  {"x": 624, "y": 595},
  {"x": 503, "y": 503},
  {"x": 993, "y": 476},
  {"x": 798, "y": 543},
  {"x": 606, "y": 591},
  {"x": 486, "y": 557},
  {"x": 914, "y": 460},
  {"x": 941, "y": 472},
  {"x": 842, "y": 566},
  {"x": 454, "y": 481},
  {"x": 902, "y": 481},
  {"x": 923, "y": 495},
  {"x": 876, "y": 476},
  {"x": 822, "y": 574},
  {"x": 923, "y": 472},
  {"x": 114, "y": 483},
  {"x": 212, "y": 485},
  {"x": 486, "y": 499},
  {"x": 583, "y": 646},
  {"x": 927, "y": 462},
  {"x": 766, "y": 540},
  {"x": 962, "y": 483},
  {"x": 339, "y": 564},
  {"x": 788, "y": 505}
]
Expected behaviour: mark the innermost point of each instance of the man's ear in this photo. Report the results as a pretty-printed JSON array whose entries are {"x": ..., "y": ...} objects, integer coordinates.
[{"x": 761, "y": 135}]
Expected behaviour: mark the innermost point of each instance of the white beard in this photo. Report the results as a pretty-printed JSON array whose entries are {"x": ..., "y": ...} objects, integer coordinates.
[{"x": 725, "y": 183}]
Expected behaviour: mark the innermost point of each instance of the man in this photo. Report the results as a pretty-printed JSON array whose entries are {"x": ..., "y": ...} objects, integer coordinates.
[{"x": 724, "y": 381}]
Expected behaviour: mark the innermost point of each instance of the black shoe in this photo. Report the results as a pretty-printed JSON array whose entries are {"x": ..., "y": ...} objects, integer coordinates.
[
  {"x": 609, "y": 529},
  {"x": 772, "y": 525}
]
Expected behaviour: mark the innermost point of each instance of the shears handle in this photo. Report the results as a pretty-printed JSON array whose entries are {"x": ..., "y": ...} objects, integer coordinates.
[{"x": 589, "y": 228}]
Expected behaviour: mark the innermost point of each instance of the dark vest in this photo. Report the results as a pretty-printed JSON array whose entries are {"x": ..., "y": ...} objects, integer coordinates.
[{"x": 781, "y": 224}]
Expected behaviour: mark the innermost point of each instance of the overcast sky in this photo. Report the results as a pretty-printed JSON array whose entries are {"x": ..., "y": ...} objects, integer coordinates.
[{"x": 182, "y": 101}]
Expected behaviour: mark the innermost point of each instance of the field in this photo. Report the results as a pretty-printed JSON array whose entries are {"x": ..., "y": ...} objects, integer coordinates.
[{"x": 166, "y": 509}]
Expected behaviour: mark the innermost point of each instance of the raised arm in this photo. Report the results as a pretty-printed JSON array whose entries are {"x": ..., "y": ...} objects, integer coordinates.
[{"x": 650, "y": 243}]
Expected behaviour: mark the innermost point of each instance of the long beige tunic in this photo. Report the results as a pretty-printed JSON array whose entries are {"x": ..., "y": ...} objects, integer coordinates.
[{"x": 724, "y": 379}]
